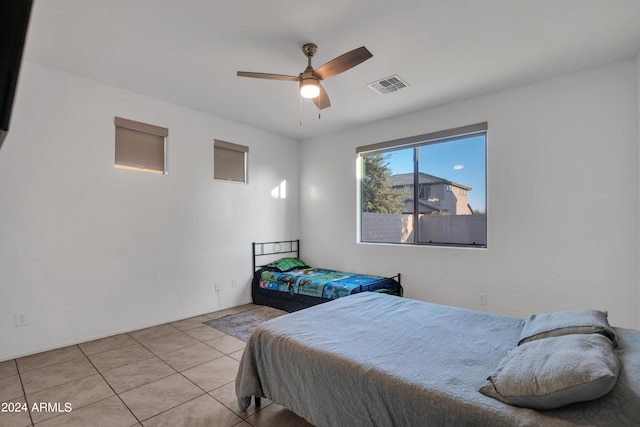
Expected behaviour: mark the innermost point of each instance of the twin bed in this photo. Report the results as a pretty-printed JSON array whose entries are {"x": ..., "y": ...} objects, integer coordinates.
[
  {"x": 373, "y": 359},
  {"x": 287, "y": 283}
]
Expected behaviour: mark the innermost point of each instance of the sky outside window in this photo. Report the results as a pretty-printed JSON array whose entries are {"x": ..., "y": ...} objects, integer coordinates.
[{"x": 461, "y": 161}]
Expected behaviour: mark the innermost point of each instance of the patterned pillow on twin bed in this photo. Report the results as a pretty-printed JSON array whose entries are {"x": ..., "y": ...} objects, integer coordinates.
[{"x": 286, "y": 264}]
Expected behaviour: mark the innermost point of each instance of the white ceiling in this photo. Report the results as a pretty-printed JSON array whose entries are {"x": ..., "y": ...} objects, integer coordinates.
[{"x": 188, "y": 51}]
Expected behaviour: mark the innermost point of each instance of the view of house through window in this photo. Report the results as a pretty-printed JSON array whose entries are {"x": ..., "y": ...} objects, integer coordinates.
[{"x": 428, "y": 190}]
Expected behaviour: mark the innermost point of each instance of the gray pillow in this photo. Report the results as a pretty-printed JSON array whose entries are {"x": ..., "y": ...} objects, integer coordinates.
[
  {"x": 580, "y": 321},
  {"x": 554, "y": 372}
]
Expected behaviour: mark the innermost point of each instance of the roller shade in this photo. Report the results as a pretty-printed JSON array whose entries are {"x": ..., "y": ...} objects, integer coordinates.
[
  {"x": 229, "y": 161},
  {"x": 140, "y": 146}
]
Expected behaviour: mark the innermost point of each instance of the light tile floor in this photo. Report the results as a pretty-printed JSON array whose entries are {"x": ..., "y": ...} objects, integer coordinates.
[{"x": 176, "y": 374}]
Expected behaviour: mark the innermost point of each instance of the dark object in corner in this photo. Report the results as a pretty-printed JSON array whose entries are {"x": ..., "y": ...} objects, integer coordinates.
[{"x": 14, "y": 21}]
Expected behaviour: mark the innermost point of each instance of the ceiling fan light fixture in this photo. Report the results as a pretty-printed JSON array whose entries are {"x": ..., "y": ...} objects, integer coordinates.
[{"x": 309, "y": 88}]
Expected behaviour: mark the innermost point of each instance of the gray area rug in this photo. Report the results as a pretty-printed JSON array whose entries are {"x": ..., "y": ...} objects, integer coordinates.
[{"x": 240, "y": 325}]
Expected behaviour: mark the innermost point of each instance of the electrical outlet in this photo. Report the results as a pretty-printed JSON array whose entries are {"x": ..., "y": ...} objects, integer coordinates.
[
  {"x": 216, "y": 286},
  {"x": 21, "y": 320},
  {"x": 234, "y": 283},
  {"x": 482, "y": 299}
]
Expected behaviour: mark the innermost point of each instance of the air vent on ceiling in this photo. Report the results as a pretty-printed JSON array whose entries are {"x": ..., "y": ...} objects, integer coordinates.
[{"x": 388, "y": 85}]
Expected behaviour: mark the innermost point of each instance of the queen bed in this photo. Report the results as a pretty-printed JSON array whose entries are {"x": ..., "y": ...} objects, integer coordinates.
[
  {"x": 415, "y": 363},
  {"x": 288, "y": 283}
]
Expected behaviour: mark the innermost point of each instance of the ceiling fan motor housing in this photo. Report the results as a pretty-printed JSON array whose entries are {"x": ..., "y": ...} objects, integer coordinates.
[{"x": 309, "y": 49}]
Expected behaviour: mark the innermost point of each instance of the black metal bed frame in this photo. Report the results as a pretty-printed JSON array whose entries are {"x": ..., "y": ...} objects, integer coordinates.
[
  {"x": 290, "y": 247},
  {"x": 277, "y": 248},
  {"x": 297, "y": 301}
]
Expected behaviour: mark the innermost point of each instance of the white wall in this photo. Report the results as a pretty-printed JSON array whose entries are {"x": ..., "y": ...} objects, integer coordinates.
[
  {"x": 562, "y": 156},
  {"x": 87, "y": 250}
]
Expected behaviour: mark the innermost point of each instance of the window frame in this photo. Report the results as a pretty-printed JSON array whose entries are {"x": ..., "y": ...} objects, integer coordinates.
[
  {"x": 415, "y": 142},
  {"x": 235, "y": 148}
]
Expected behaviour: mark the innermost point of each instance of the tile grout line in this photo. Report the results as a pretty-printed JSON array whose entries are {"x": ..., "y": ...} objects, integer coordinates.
[
  {"x": 109, "y": 385},
  {"x": 207, "y": 393},
  {"x": 173, "y": 407},
  {"x": 24, "y": 392}
]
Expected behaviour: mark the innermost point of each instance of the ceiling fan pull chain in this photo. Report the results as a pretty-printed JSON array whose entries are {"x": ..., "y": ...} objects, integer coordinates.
[{"x": 300, "y": 109}]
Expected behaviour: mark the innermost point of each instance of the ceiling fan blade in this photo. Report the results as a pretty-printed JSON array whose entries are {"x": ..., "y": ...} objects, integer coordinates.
[
  {"x": 322, "y": 100},
  {"x": 267, "y": 76},
  {"x": 343, "y": 62}
]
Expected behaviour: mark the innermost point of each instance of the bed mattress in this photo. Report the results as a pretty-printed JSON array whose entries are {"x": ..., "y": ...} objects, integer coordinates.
[
  {"x": 302, "y": 288},
  {"x": 411, "y": 363}
]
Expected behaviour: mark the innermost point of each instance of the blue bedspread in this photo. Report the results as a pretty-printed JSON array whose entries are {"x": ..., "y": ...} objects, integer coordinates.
[
  {"x": 402, "y": 362},
  {"x": 318, "y": 282}
]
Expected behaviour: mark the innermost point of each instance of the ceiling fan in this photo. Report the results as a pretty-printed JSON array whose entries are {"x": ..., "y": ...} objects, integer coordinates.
[{"x": 309, "y": 79}]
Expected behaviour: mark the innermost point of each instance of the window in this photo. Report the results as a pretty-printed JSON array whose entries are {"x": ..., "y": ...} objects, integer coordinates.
[
  {"x": 140, "y": 146},
  {"x": 425, "y": 190},
  {"x": 230, "y": 161}
]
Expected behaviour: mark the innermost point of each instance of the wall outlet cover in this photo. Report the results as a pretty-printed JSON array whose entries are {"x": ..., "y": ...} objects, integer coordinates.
[{"x": 21, "y": 320}]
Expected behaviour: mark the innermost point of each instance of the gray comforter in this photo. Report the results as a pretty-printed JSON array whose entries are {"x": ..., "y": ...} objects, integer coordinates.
[{"x": 378, "y": 360}]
